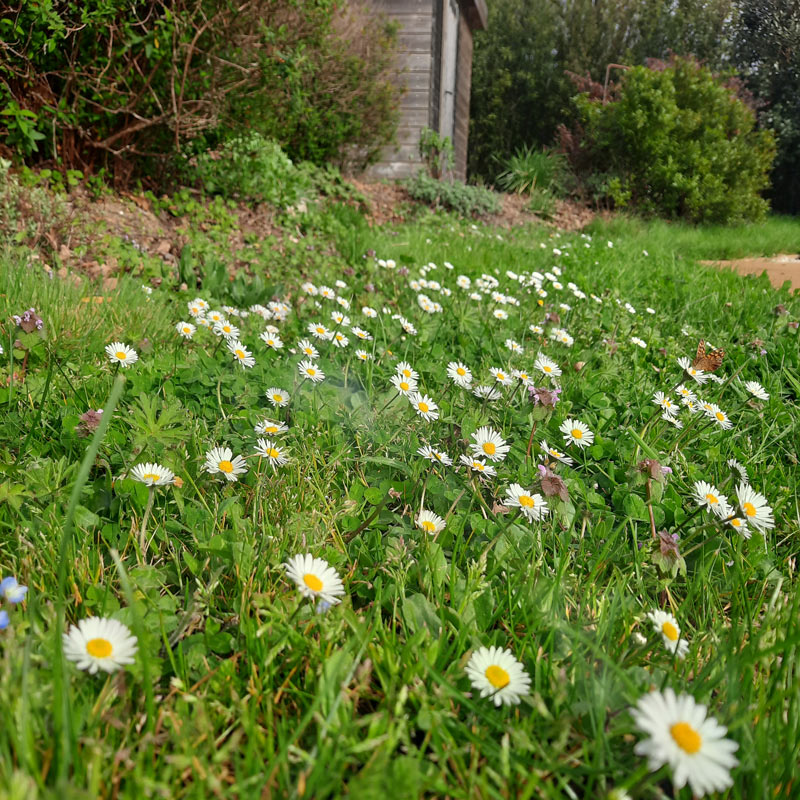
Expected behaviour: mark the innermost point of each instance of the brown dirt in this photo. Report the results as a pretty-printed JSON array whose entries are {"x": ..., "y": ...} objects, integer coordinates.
[{"x": 779, "y": 268}]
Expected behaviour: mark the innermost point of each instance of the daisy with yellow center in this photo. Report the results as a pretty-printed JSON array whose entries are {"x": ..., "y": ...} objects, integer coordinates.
[
  {"x": 488, "y": 443},
  {"x": 363, "y": 355},
  {"x": 185, "y": 329},
  {"x": 271, "y": 340},
  {"x": 719, "y": 416},
  {"x": 121, "y": 354},
  {"x": 460, "y": 374},
  {"x": 495, "y": 673},
  {"x": 276, "y": 454},
  {"x": 576, "y": 432},
  {"x": 319, "y": 331},
  {"x": 556, "y": 454},
  {"x": 221, "y": 461},
  {"x": 99, "y": 643},
  {"x": 308, "y": 349},
  {"x": 435, "y": 456},
  {"x": 153, "y": 474},
  {"x": 479, "y": 466},
  {"x": 278, "y": 397},
  {"x": 533, "y": 506},
  {"x": 406, "y": 370},
  {"x": 430, "y": 523},
  {"x": 547, "y": 366},
  {"x": 271, "y": 427},
  {"x": 682, "y": 735},
  {"x": 405, "y": 386},
  {"x": 696, "y": 374},
  {"x": 501, "y": 376},
  {"x": 308, "y": 369},
  {"x": 241, "y": 354},
  {"x": 755, "y": 508},
  {"x": 424, "y": 406},
  {"x": 315, "y": 578},
  {"x": 226, "y": 329},
  {"x": 215, "y": 316},
  {"x": 665, "y": 624},
  {"x": 709, "y": 497},
  {"x": 667, "y": 406},
  {"x": 340, "y": 340}
]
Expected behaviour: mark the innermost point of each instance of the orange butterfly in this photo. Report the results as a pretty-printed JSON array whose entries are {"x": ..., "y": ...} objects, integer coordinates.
[{"x": 708, "y": 362}]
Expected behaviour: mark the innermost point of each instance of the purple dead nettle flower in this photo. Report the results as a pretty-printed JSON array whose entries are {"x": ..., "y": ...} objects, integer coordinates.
[
  {"x": 89, "y": 422},
  {"x": 669, "y": 544},
  {"x": 29, "y": 321},
  {"x": 544, "y": 396}
]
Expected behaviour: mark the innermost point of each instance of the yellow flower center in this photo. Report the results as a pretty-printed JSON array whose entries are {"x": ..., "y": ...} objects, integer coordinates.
[
  {"x": 271, "y": 429},
  {"x": 428, "y": 526},
  {"x": 307, "y": 351},
  {"x": 187, "y": 330},
  {"x": 423, "y": 407},
  {"x": 151, "y": 476},
  {"x": 546, "y": 368},
  {"x": 406, "y": 373},
  {"x": 489, "y": 448},
  {"x": 478, "y": 466},
  {"x": 99, "y": 648},
  {"x": 749, "y": 509},
  {"x": 225, "y": 466},
  {"x": 313, "y": 582},
  {"x": 526, "y": 501},
  {"x": 240, "y": 354},
  {"x": 311, "y": 371},
  {"x": 121, "y": 355},
  {"x": 497, "y": 676},
  {"x": 461, "y": 371},
  {"x": 320, "y": 329},
  {"x": 670, "y": 631},
  {"x": 686, "y": 737},
  {"x": 501, "y": 376},
  {"x": 277, "y": 397},
  {"x": 577, "y": 433},
  {"x": 736, "y": 523},
  {"x": 712, "y": 499},
  {"x": 404, "y": 386},
  {"x": 273, "y": 452},
  {"x": 720, "y": 416}
]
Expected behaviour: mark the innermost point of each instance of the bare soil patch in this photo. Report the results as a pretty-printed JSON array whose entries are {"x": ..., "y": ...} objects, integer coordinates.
[{"x": 779, "y": 268}]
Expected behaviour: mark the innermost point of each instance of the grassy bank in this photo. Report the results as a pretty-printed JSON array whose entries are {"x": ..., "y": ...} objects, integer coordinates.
[{"x": 244, "y": 687}]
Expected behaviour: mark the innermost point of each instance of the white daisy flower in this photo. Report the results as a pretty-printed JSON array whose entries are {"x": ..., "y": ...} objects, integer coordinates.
[
  {"x": 404, "y": 368},
  {"x": 270, "y": 427},
  {"x": 479, "y": 466},
  {"x": 514, "y": 346},
  {"x": 739, "y": 524},
  {"x": 424, "y": 406},
  {"x": 495, "y": 673},
  {"x": 319, "y": 331},
  {"x": 685, "y": 393},
  {"x": 309, "y": 288},
  {"x": 757, "y": 510},
  {"x": 682, "y": 735},
  {"x": 308, "y": 349},
  {"x": 220, "y": 460},
  {"x": 242, "y": 355},
  {"x": 674, "y": 421},
  {"x": 547, "y": 365},
  {"x": 709, "y": 497},
  {"x": 430, "y": 523},
  {"x": 523, "y": 377},
  {"x": 121, "y": 354},
  {"x": 720, "y": 417},
  {"x": 363, "y": 355},
  {"x": 327, "y": 292},
  {"x": 697, "y": 374},
  {"x": 368, "y": 311},
  {"x": 99, "y": 643},
  {"x": 340, "y": 340},
  {"x": 537, "y": 329},
  {"x": 278, "y": 397},
  {"x": 557, "y": 454},
  {"x": 308, "y": 369},
  {"x": 153, "y": 474},
  {"x": 499, "y": 313},
  {"x": 226, "y": 329},
  {"x": 576, "y": 432},
  {"x": 665, "y": 624},
  {"x": 405, "y": 386},
  {"x": 501, "y": 376},
  {"x": 460, "y": 374},
  {"x": 486, "y": 392},
  {"x": 488, "y": 443},
  {"x": 315, "y": 578},
  {"x": 185, "y": 329},
  {"x": 739, "y": 468},
  {"x": 276, "y": 454},
  {"x": 533, "y": 506},
  {"x": 667, "y": 405},
  {"x": 360, "y": 333},
  {"x": 435, "y": 456},
  {"x": 637, "y": 341},
  {"x": 271, "y": 340},
  {"x": 339, "y": 318},
  {"x": 757, "y": 390},
  {"x": 215, "y": 316}
]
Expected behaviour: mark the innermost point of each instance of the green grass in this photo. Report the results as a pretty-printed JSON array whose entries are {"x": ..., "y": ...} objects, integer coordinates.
[
  {"x": 240, "y": 689},
  {"x": 774, "y": 235}
]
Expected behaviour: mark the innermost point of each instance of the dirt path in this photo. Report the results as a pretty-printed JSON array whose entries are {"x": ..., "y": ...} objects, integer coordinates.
[{"x": 779, "y": 268}]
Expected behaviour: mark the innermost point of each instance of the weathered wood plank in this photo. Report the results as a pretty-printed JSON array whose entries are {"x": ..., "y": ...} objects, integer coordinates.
[
  {"x": 406, "y": 7},
  {"x": 416, "y": 62},
  {"x": 415, "y": 81},
  {"x": 414, "y": 42}
]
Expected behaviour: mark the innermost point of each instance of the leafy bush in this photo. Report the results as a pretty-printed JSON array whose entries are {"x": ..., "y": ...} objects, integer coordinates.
[
  {"x": 251, "y": 167},
  {"x": 95, "y": 83},
  {"x": 675, "y": 140},
  {"x": 530, "y": 169},
  {"x": 436, "y": 152},
  {"x": 468, "y": 201}
]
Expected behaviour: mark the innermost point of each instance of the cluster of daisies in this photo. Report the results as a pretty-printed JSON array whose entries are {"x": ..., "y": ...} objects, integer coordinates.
[{"x": 678, "y": 731}]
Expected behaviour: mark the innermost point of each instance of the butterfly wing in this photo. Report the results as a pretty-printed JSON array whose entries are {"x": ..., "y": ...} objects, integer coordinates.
[{"x": 707, "y": 361}]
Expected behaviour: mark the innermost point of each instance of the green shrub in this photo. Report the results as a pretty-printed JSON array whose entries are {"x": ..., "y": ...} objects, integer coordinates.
[
  {"x": 436, "y": 152},
  {"x": 468, "y": 201},
  {"x": 677, "y": 142},
  {"x": 531, "y": 169},
  {"x": 251, "y": 168}
]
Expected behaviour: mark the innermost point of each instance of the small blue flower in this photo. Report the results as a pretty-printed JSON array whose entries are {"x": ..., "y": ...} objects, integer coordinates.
[
  {"x": 3, "y": 619},
  {"x": 12, "y": 591},
  {"x": 323, "y": 606}
]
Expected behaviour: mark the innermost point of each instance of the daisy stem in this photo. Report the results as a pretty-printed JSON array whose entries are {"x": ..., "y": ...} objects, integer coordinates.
[
  {"x": 145, "y": 518},
  {"x": 386, "y": 405},
  {"x": 689, "y": 518},
  {"x": 530, "y": 440}
]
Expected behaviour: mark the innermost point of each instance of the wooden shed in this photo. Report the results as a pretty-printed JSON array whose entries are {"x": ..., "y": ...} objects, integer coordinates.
[{"x": 435, "y": 69}]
